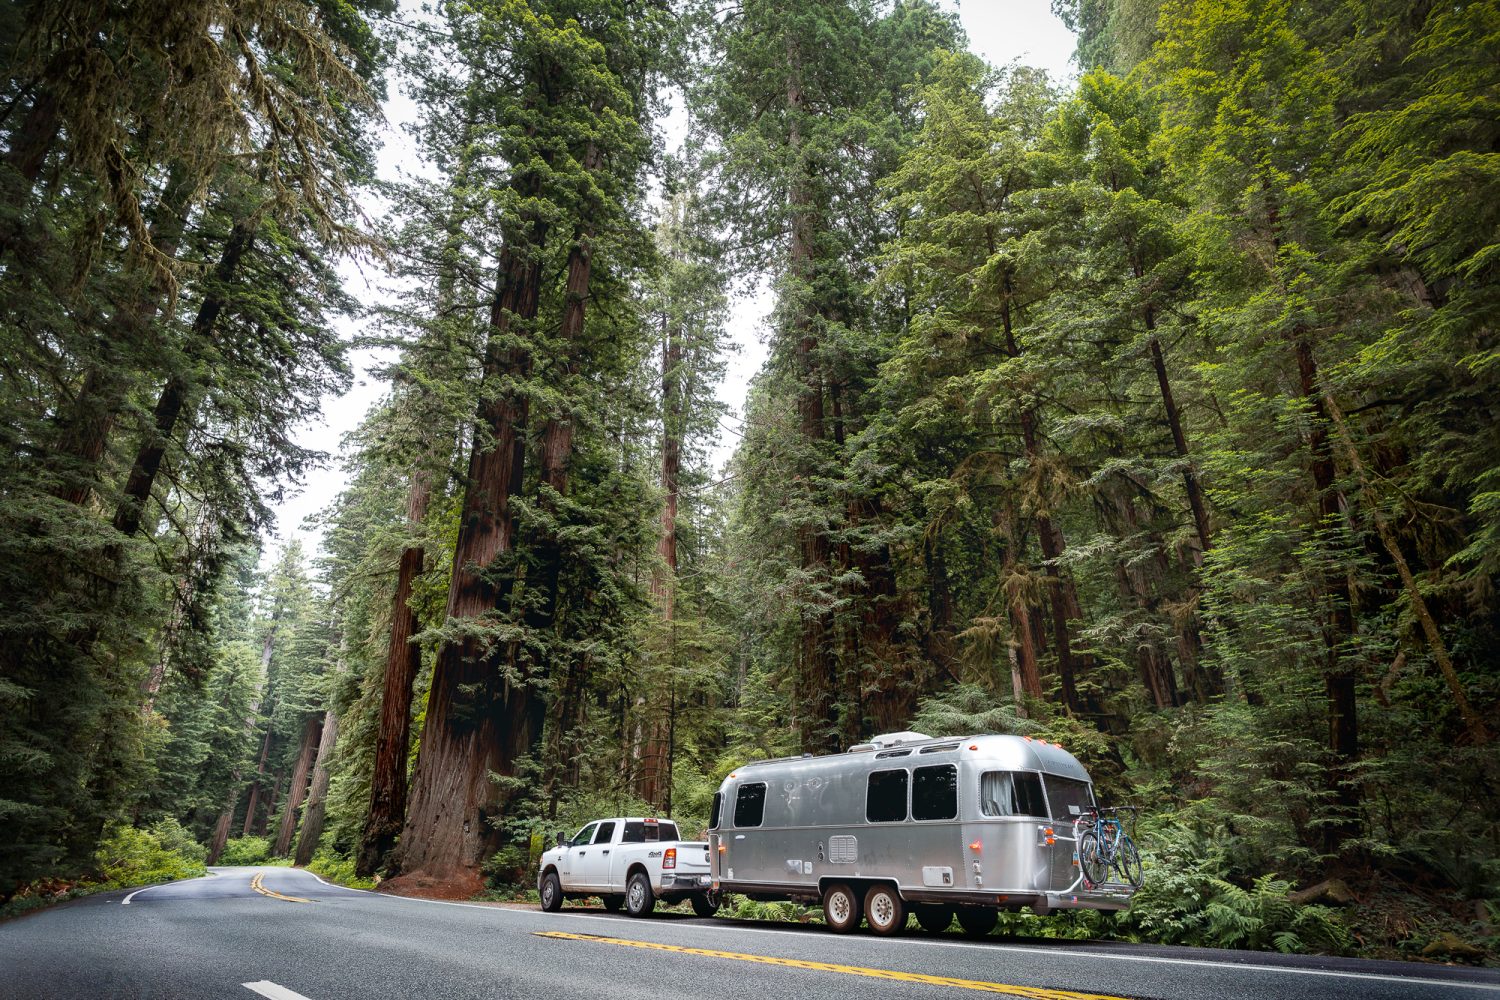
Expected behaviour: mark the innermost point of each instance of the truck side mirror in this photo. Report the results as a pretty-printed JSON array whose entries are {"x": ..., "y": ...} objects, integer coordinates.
[{"x": 562, "y": 838}]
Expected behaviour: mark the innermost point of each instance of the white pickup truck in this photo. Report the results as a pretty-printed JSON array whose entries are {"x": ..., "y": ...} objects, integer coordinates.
[{"x": 629, "y": 861}]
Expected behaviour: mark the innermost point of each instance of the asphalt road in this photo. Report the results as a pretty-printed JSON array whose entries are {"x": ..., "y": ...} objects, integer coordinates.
[{"x": 285, "y": 934}]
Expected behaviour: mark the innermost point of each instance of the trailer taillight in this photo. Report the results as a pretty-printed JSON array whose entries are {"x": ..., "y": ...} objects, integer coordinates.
[{"x": 669, "y": 860}]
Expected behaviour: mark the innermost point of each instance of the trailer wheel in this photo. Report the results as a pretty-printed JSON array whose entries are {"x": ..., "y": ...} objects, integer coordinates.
[
  {"x": 703, "y": 905},
  {"x": 884, "y": 910},
  {"x": 613, "y": 903},
  {"x": 977, "y": 921},
  {"x": 841, "y": 908},
  {"x": 639, "y": 899},
  {"x": 933, "y": 918},
  {"x": 552, "y": 895}
]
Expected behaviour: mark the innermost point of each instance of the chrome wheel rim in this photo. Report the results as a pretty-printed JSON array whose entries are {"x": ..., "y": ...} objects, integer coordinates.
[
  {"x": 637, "y": 895},
  {"x": 547, "y": 892},
  {"x": 839, "y": 907},
  {"x": 882, "y": 911}
]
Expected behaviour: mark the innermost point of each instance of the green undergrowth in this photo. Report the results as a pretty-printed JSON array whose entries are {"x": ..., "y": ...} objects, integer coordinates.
[
  {"x": 250, "y": 851},
  {"x": 338, "y": 869},
  {"x": 127, "y": 858}
]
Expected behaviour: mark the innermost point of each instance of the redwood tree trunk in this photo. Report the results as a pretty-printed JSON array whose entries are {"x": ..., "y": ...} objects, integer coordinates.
[
  {"x": 174, "y": 394},
  {"x": 817, "y": 667},
  {"x": 447, "y": 833},
  {"x": 403, "y": 660},
  {"x": 317, "y": 797},
  {"x": 297, "y": 791},
  {"x": 1339, "y": 678}
]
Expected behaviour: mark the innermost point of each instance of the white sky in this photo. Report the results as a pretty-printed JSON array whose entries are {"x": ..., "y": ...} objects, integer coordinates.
[{"x": 1001, "y": 31}]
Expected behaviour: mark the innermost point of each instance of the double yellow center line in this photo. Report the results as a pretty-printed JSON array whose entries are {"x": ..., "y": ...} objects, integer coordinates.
[
  {"x": 255, "y": 883},
  {"x": 1030, "y": 992}
]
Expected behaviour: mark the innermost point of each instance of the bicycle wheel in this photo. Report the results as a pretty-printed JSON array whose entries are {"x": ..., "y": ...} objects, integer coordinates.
[
  {"x": 1091, "y": 859},
  {"x": 1128, "y": 862}
]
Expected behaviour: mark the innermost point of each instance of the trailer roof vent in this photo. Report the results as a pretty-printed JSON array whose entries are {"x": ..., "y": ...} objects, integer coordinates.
[
  {"x": 886, "y": 740},
  {"x": 861, "y": 748}
]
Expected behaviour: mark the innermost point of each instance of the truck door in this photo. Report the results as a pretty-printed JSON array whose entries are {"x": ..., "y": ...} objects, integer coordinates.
[
  {"x": 593, "y": 860},
  {"x": 569, "y": 866}
]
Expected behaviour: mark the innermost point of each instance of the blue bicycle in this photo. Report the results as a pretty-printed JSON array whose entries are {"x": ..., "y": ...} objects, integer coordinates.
[{"x": 1104, "y": 846}]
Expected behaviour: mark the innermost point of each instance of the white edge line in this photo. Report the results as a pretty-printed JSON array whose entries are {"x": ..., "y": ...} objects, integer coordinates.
[
  {"x": 275, "y": 991},
  {"x": 127, "y": 899},
  {"x": 1206, "y": 962},
  {"x": 335, "y": 885}
]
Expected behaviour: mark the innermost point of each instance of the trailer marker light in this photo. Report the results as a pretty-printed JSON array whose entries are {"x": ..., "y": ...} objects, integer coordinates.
[
  {"x": 974, "y": 847},
  {"x": 723, "y": 848},
  {"x": 973, "y": 746},
  {"x": 669, "y": 860}
]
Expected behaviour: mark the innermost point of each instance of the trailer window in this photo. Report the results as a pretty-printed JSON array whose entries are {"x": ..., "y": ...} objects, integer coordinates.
[
  {"x": 750, "y": 804},
  {"x": 606, "y": 833},
  {"x": 714, "y": 810},
  {"x": 1065, "y": 792},
  {"x": 934, "y": 792},
  {"x": 885, "y": 797},
  {"x": 1005, "y": 793}
]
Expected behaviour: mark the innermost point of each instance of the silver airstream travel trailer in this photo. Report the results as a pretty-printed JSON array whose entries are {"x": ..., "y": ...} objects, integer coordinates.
[{"x": 907, "y": 823}]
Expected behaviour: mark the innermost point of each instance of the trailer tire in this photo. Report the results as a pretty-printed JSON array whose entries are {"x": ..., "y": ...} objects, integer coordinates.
[
  {"x": 639, "y": 899},
  {"x": 612, "y": 903},
  {"x": 551, "y": 893},
  {"x": 841, "y": 908},
  {"x": 884, "y": 910},
  {"x": 703, "y": 906},
  {"x": 933, "y": 918},
  {"x": 977, "y": 921}
]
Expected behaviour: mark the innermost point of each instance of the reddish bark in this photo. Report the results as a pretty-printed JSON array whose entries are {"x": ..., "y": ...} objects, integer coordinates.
[
  {"x": 403, "y": 660},
  {"x": 317, "y": 796},
  {"x": 473, "y": 722},
  {"x": 297, "y": 790}
]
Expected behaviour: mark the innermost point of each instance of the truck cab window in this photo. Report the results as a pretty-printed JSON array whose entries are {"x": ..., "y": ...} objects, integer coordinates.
[
  {"x": 750, "y": 804},
  {"x": 1065, "y": 792},
  {"x": 934, "y": 792},
  {"x": 1005, "y": 793},
  {"x": 584, "y": 836},
  {"x": 606, "y": 833},
  {"x": 885, "y": 797},
  {"x": 714, "y": 810}
]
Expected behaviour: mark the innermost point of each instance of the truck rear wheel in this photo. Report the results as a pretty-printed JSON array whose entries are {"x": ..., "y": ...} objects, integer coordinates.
[
  {"x": 841, "y": 908},
  {"x": 551, "y": 893},
  {"x": 884, "y": 910},
  {"x": 639, "y": 899},
  {"x": 977, "y": 921}
]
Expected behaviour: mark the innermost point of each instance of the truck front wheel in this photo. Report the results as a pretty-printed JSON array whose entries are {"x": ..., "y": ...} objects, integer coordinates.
[
  {"x": 552, "y": 896},
  {"x": 841, "y": 908},
  {"x": 639, "y": 899}
]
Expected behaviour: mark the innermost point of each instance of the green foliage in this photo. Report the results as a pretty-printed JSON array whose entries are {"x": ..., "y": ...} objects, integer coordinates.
[
  {"x": 165, "y": 853},
  {"x": 339, "y": 869},
  {"x": 246, "y": 851}
]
